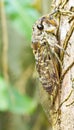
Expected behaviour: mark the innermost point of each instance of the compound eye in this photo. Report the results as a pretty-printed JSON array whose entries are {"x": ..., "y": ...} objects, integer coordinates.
[
  {"x": 44, "y": 43},
  {"x": 40, "y": 27}
]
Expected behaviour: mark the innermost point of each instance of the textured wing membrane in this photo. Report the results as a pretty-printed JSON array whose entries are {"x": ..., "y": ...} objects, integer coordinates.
[{"x": 46, "y": 102}]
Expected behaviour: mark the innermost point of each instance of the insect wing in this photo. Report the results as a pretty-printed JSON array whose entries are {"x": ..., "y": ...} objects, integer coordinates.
[{"x": 46, "y": 102}]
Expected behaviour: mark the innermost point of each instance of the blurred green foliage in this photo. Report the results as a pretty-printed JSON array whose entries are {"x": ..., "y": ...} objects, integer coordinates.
[
  {"x": 12, "y": 100},
  {"x": 19, "y": 95},
  {"x": 22, "y": 15}
]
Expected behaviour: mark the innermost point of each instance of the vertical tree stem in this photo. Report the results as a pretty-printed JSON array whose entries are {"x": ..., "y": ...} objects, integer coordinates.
[{"x": 5, "y": 42}]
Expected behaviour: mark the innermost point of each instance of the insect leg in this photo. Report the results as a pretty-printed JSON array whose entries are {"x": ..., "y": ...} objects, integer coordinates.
[
  {"x": 57, "y": 57},
  {"x": 61, "y": 48},
  {"x": 53, "y": 52}
]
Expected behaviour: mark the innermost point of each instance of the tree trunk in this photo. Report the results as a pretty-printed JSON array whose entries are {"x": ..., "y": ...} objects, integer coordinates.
[{"x": 66, "y": 33}]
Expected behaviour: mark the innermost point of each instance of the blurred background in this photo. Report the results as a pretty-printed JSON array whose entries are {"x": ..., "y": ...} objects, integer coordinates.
[{"x": 19, "y": 98}]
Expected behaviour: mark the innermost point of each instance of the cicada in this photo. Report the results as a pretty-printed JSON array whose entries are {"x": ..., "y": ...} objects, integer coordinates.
[{"x": 45, "y": 48}]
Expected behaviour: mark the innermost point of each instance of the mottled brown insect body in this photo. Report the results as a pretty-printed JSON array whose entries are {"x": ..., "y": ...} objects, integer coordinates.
[
  {"x": 44, "y": 43},
  {"x": 45, "y": 46}
]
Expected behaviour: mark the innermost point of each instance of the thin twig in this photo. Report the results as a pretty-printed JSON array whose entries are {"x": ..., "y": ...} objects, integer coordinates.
[
  {"x": 64, "y": 3},
  {"x": 70, "y": 104},
  {"x": 67, "y": 38},
  {"x": 65, "y": 99},
  {"x": 66, "y": 71}
]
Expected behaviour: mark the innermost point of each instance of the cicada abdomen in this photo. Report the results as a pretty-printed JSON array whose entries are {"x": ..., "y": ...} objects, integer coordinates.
[{"x": 44, "y": 44}]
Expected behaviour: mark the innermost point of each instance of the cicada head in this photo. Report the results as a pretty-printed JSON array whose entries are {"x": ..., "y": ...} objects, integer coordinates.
[{"x": 44, "y": 30}]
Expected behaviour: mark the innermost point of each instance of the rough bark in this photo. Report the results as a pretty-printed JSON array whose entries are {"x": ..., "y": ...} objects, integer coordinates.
[{"x": 66, "y": 115}]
